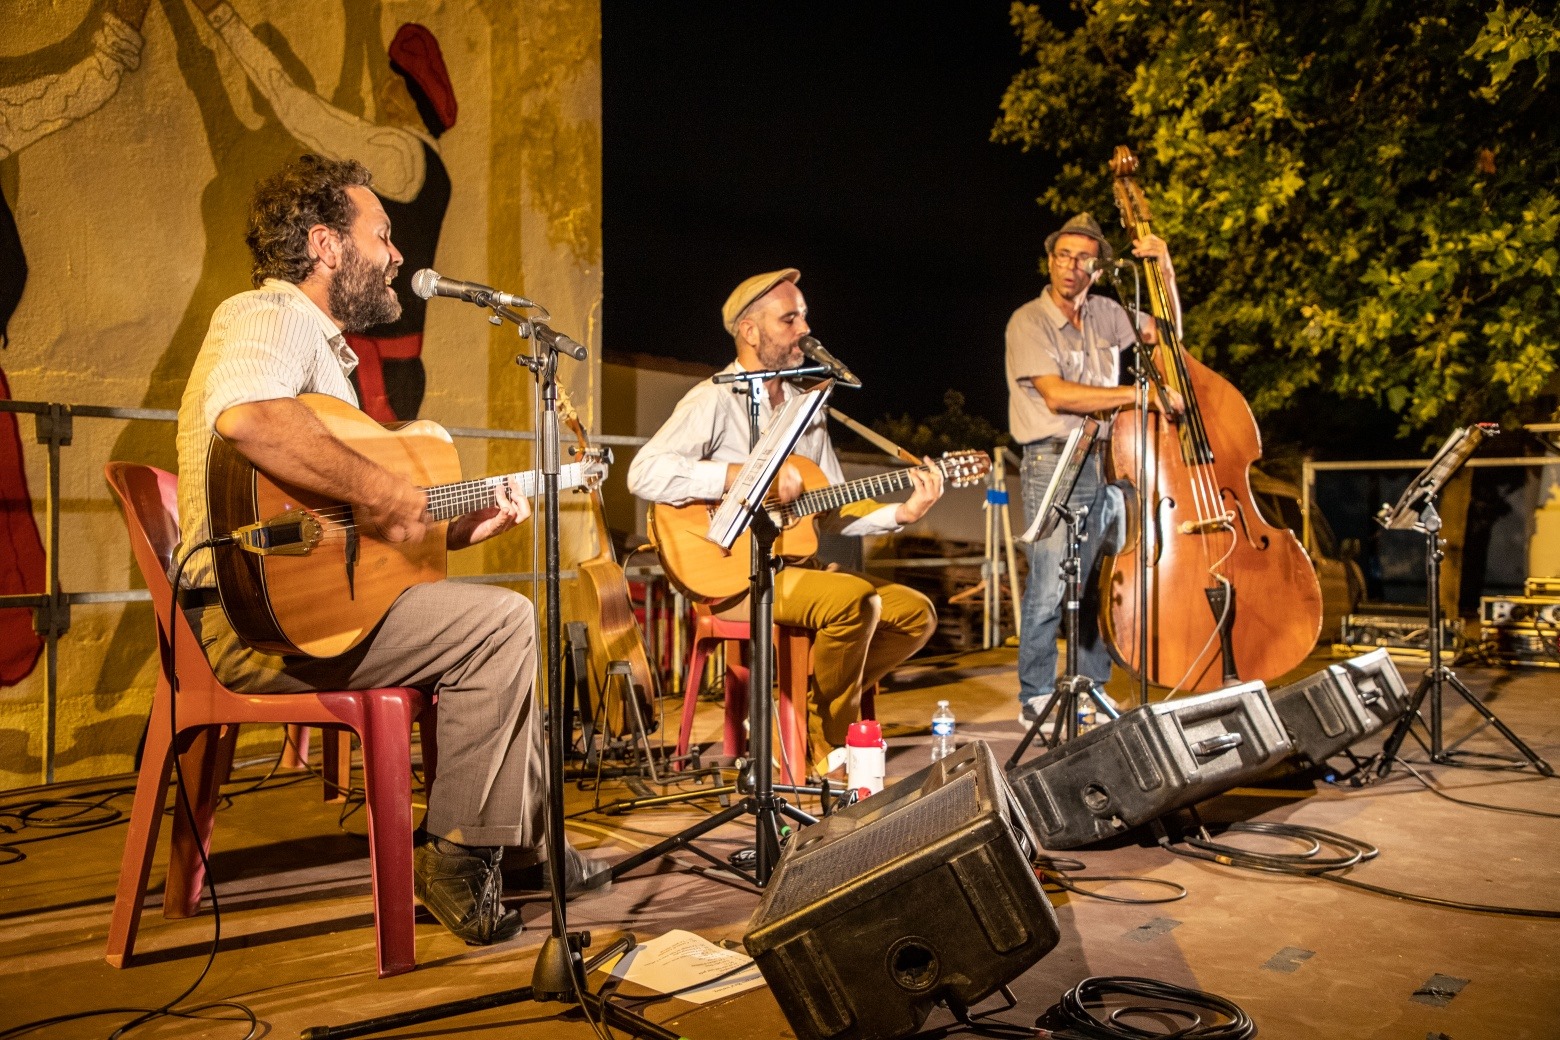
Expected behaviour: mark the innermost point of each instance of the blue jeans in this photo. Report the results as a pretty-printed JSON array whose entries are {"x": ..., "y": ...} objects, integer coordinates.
[{"x": 1041, "y": 607}]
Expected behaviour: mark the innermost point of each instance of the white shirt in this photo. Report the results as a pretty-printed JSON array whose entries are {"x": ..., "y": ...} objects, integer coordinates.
[
  {"x": 265, "y": 344},
  {"x": 686, "y": 460}
]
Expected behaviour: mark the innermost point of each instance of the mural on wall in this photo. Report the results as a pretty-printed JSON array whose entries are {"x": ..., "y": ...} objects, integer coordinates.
[
  {"x": 29, "y": 111},
  {"x": 224, "y": 92}
]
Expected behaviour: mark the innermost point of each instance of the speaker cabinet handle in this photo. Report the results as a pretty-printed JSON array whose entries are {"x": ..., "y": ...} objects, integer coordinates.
[{"x": 1217, "y": 745}]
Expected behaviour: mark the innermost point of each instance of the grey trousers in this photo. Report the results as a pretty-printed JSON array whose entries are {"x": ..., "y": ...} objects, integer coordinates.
[{"x": 475, "y": 646}]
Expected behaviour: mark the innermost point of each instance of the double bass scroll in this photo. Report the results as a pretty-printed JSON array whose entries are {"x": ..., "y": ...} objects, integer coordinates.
[{"x": 1230, "y": 597}]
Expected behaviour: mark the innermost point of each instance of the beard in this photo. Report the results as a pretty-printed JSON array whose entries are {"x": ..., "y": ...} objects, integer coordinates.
[
  {"x": 358, "y": 295},
  {"x": 773, "y": 354}
]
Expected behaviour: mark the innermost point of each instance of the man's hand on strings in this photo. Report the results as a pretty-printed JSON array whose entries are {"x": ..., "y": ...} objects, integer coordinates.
[
  {"x": 928, "y": 484},
  {"x": 400, "y": 511},
  {"x": 788, "y": 482},
  {"x": 512, "y": 509},
  {"x": 1176, "y": 401},
  {"x": 1152, "y": 246}
]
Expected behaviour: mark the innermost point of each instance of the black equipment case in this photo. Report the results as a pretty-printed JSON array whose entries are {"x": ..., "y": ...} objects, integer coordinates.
[
  {"x": 921, "y": 894},
  {"x": 1338, "y": 707},
  {"x": 1151, "y": 761}
]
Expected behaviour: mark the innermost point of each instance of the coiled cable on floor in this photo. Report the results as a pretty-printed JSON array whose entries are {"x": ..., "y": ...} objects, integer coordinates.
[
  {"x": 1309, "y": 863},
  {"x": 1095, "y": 1009}
]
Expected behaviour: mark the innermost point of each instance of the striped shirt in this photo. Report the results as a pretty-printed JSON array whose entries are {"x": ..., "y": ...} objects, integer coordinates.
[{"x": 265, "y": 344}]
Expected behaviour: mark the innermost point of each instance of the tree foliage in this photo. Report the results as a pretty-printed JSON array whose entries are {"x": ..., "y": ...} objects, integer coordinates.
[
  {"x": 1360, "y": 194},
  {"x": 952, "y": 430}
]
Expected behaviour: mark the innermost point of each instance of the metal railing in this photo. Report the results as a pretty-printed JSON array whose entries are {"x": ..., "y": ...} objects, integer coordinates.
[
  {"x": 54, "y": 427},
  {"x": 1310, "y": 469}
]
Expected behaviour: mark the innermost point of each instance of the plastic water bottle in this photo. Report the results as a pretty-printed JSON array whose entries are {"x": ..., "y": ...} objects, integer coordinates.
[{"x": 942, "y": 731}]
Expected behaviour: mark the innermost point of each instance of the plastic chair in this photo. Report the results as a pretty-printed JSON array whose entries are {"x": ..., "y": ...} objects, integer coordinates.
[
  {"x": 793, "y": 652},
  {"x": 208, "y": 715}
]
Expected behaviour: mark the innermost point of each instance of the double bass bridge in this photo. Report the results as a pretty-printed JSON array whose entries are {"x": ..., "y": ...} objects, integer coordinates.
[{"x": 1208, "y": 525}]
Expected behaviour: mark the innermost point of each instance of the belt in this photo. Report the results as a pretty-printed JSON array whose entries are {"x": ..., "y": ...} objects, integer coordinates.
[
  {"x": 198, "y": 599},
  {"x": 1046, "y": 446}
]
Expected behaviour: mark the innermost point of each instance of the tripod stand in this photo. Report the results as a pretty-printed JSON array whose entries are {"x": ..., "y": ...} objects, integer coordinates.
[
  {"x": 1071, "y": 688},
  {"x": 1438, "y": 676},
  {"x": 560, "y": 971},
  {"x": 760, "y": 799}
]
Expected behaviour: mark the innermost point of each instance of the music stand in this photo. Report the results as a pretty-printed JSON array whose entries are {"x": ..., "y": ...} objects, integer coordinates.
[
  {"x": 743, "y": 509},
  {"x": 1416, "y": 511},
  {"x": 1071, "y": 687}
]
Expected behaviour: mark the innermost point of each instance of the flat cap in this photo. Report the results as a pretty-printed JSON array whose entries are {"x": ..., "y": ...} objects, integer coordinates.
[
  {"x": 1081, "y": 224},
  {"x": 744, "y": 295}
]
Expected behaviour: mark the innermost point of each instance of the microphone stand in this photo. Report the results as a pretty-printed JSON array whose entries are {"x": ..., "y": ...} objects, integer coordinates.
[
  {"x": 1143, "y": 372},
  {"x": 760, "y": 800},
  {"x": 560, "y": 972}
]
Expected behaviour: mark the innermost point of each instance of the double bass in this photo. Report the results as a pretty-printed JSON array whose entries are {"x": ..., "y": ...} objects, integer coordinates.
[{"x": 1229, "y": 596}]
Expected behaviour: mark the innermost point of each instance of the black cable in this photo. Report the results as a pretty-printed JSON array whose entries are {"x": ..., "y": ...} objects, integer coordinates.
[
  {"x": 1309, "y": 863},
  {"x": 80, "y": 819},
  {"x": 1433, "y": 789},
  {"x": 1054, "y": 872},
  {"x": 170, "y": 1009},
  {"x": 1077, "y": 1013}
]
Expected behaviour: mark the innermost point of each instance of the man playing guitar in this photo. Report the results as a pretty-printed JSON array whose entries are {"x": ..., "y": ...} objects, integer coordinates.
[
  {"x": 324, "y": 264},
  {"x": 864, "y": 626}
]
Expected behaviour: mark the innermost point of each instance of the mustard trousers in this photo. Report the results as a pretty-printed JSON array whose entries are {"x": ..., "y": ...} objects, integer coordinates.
[{"x": 863, "y": 628}]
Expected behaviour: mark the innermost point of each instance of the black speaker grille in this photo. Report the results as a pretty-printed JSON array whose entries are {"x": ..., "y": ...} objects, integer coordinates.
[{"x": 812, "y": 875}]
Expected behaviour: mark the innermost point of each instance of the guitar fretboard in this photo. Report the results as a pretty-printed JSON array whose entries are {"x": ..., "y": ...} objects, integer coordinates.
[
  {"x": 447, "y": 501},
  {"x": 836, "y": 495}
]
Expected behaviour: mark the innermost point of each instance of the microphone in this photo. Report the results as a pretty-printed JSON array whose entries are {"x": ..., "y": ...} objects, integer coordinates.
[
  {"x": 548, "y": 336},
  {"x": 817, "y": 353},
  {"x": 429, "y": 283}
]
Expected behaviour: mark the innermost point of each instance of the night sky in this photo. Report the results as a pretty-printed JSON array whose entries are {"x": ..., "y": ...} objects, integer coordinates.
[{"x": 848, "y": 139}]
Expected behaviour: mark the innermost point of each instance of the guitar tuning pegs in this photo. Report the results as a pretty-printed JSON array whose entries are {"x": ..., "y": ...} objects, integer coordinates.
[{"x": 494, "y": 319}]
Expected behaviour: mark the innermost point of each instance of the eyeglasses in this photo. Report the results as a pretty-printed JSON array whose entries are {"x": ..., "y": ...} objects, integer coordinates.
[{"x": 1071, "y": 259}]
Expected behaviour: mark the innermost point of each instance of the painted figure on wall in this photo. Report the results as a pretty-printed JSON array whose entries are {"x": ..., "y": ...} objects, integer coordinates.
[
  {"x": 415, "y": 104},
  {"x": 31, "y": 110},
  {"x": 408, "y": 173}
]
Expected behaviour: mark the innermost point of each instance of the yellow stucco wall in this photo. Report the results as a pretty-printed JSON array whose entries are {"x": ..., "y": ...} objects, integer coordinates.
[{"x": 132, "y": 215}]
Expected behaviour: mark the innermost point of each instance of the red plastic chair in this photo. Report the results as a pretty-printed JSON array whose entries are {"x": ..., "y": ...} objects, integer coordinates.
[
  {"x": 793, "y": 653},
  {"x": 208, "y": 715}
]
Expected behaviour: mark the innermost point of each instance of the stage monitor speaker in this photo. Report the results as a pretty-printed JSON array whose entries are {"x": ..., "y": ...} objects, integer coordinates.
[
  {"x": 1151, "y": 761},
  {"x": 923, "y": 893},
  {"x": 1338, "y": 707}
]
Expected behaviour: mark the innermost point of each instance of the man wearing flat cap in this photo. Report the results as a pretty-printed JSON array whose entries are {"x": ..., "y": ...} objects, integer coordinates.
[
  {"x": 864, "y": 626},
  {"x": 1064, "y": 363}
]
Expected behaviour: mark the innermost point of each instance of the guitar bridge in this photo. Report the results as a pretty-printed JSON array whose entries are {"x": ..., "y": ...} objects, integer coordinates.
[{"x": 293, "y": 533}]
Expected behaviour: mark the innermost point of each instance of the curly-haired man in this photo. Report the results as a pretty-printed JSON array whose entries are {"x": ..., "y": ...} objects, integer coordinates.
[{"x": 324, "y": 264}]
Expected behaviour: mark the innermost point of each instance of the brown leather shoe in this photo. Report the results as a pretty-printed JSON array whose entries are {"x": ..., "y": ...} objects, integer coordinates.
[{"x": 463, "y": 887}]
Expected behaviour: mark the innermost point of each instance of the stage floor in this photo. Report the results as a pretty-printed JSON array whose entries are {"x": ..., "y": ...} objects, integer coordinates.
[{"x": 1306, "y": 958}]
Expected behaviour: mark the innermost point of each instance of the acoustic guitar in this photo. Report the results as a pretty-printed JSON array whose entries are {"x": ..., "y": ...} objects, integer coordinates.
[
  {"x": 705, "y": 571},
  {"x": 309, "y": 576},
  {"x": 613, "y": 630}
]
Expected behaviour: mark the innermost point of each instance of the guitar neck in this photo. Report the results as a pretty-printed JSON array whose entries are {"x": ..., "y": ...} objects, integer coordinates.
[
  {"x": 837, "y": 495},
  {"x": 448, "y": 501}
]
